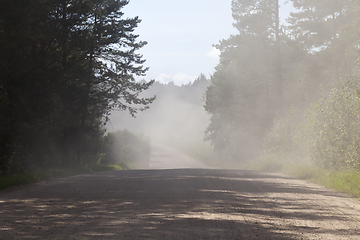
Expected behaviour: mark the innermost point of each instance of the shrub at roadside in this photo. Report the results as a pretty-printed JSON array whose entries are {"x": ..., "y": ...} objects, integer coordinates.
[
  {"x": 124, "y": 147},
  {"x": 345, "y": 181},
  {"x": 338, "y": 127},
  {"x": 326, "y": 143},
  {"x": 119, "y": 151},
  {"x": 329, "y": 135}
]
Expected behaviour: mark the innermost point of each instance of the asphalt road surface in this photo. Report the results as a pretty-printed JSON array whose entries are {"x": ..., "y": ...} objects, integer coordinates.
[{"x": 184, "y": 203}]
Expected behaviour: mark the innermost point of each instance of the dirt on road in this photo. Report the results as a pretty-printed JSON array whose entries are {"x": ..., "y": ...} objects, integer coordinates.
[
  {"x": 178, "y": 204},
  {"x": 164, "y": 157}
]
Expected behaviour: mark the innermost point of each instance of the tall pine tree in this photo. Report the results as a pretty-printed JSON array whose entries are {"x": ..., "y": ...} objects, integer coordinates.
[
  {"x": 64, "y": 66},
  {"x": 320, "y": 26},
  {"x": 246, "y": 89}
]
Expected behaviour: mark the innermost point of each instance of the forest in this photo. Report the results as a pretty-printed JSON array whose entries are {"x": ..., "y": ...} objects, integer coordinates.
[
  {"x": 288, "y": 92},
  {"x": 283, "y": 92},
  {"x": 64, "y": 66}
]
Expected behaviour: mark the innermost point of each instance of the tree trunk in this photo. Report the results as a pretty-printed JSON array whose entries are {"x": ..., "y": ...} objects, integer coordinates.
[{"x": 278, "y": 74}]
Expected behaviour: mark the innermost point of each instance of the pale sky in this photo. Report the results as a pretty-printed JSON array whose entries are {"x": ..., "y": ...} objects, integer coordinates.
[{"x": 180, "y": 35}]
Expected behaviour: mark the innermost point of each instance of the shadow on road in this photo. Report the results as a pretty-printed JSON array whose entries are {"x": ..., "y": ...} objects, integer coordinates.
[{"x": 168, "y": 204}]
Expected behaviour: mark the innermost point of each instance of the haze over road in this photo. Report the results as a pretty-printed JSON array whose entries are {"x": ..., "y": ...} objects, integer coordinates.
[
  {"x": 163, "y": 157},
  {"x": 177, "y": 204}
]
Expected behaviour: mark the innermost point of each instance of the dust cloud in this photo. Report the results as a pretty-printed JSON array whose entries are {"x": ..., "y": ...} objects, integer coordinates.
[{"x": 177, "y": 118}]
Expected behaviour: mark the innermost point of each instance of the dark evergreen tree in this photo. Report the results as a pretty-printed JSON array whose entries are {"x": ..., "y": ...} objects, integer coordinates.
[
  {"x": 267, "y": 67},
  {"x": 320, "y": 26},
  {"x": 246, "y": 89},
  {"x": 64, "y": 66}
]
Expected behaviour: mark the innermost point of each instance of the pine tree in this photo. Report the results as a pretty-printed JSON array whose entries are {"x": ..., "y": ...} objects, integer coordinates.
[
  {"x": 64, "y": 66},
  {"x": 246, "y": 90},
  {"x": 320, "y": 27}
]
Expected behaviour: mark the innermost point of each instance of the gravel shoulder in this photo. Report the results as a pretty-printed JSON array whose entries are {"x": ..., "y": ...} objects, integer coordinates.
[{"x": 183, "y": 203}]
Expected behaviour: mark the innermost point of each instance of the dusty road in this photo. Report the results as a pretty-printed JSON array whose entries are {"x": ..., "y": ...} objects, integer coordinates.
[
  {"x": 163, "y": 157},
  {"x": 177, "y": 204}
]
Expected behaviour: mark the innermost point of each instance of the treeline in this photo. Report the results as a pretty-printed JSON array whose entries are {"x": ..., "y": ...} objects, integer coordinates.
[
  {"x": 125, "y": 148},
  {"x": 64, "y": 65},
  {"x": 270, "y": 67}
]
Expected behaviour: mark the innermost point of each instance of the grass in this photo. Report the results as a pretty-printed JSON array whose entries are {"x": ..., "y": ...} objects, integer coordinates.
[
  {"x": 15, "y": 180},
  {"x": 342, "y": 181},
  {"x": 346, "y": 182}
]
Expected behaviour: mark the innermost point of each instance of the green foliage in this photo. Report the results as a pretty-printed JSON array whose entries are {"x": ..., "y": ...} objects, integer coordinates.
[
  {"x": 341, "y": 181},
  {"x": 124, "y": 147},
  {"x": 345, "y": 181},
  {"x": 268, "y": 67},
  {"x": 238, "y": 99},
  {"x": 64, "y": 65},
  {"x": 325, "y": 29},
  {"x": 246, "y": 90},
  {"x": 328, "y": 136},
  {"x": 289, "y": 142},
  {"x": 280, "y": 139},
  {"x": 15, "y": 180},
  {"x": 337, "y": 127},
  {"x": 321, "y": 148}
]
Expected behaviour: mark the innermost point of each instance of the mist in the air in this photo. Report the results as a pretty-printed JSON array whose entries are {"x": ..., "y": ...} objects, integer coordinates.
[
  {"x": 176, "y": 119},
  {"x": 270, "y": 94}
]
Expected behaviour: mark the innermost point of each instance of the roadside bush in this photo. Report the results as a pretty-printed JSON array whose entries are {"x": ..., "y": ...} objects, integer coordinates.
[
  {"x": 325, "y": 146},
  {"x": 328, "y": 136},
  {"x": 126, "y": 147},
  {"x": 337, "y": 127},
  {"x": 288, "y": 143},
  {"x": 278, "y": 142}
]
